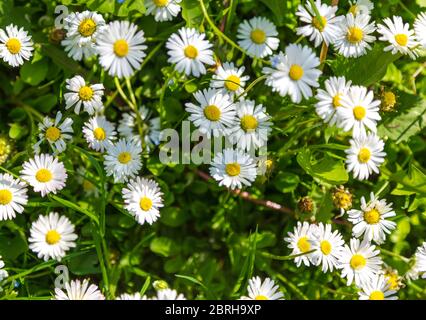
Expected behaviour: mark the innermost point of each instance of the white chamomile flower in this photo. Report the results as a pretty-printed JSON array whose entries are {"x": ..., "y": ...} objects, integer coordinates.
[
  {"x": 99, "y": 133},
  {"x": 88, "y": 95},
  {"x": 353, "y": 38},
  {"x": 301, "y": 240},
  {"x": 123, "y": 160},
  {"x": 420, "y": 29},
  {"x": 143, "y": 199},
  {"x": 359, "y": 110},
  {"x": 318, "y": 31},
  {"x": 359, "y": 262},
  {"x": 52, "y": 236},
  {"x": 365, "y": 155},
  {"x": 13, "y": 196},
  {"x": 377, "y": 288},
  {"x": 214, "y": 114},
  {"x": 168, "y": 294},
  {"x": 128, "y": 127},
  {"x": 82, "y": 30},
  {"x": 77, "y": 290},
  {"x": 263, "y": 290},
  {"x": 133, "y": 296},
  {"x": 418, "y": 268},
  {"x": 44, "y": 173},
  {"x": 253, "y": 126},
  {"x": 163, "y": 10},
  {"x": 121, "y": 48},
  {"x": 15, "y": 45},
  {"x": 329, "y": 100},
  {"x": 361, "y": 7},
  {"x": 233, "y": 168},
  {"x": 230, "y": 79},
  {"x": 294, "y": 73},
  {"x": 190, "y": 51},
  {"x": 371, "y": 221},
  {"x": 399, "y": 35},
  {"x": 258, "y": 36},
  {"x": 55, "y": 132},
  {"x": 328, "y": 246},
  {"x": 3, "y": 273}
]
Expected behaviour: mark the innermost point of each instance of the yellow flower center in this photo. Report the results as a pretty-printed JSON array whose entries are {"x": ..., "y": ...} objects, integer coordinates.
[
  {"x": 248, "y": 123},
  {"x": 85, "y": 93},
  {"x": 359, "y": 112},
  {"x": 296, "y": 72},
  {"x": 389, "y": 99},
  {"x": 303, "y": 244},
  {"x": 99, "y": 134},
  {"x": 124, "y": 157},
  {"x": 260, "y": 297},
  {"x": 364, "y": 155},
  {"x": 87, "y": 185},
  {"x": 5, "y": 197},
  {"x": 212, "y": 113},
  {"x": 372, "y": 216},
  {"x": 232, "y": 83},
  {"x": 121, "y": 48},
  {"x": 325, "y": 247},
  {"x": 160, "y": 3},
  {"x": 53, "y": 134},
  {"x": 358, "y": 262},
  {"x": 377, "y": 295},
  {"x": 53, "y": 237},
  {"x": 13, "y": 45},
  {"x": 145, "y": 203},
  {"x": 258, "y": 36},
  {"x": 87, "y": 27},
  {"x": 392, "y": 281},
  {"x": 44, "y": 175},
  {"x": 233, "y": 169},
  {"x": 190, "y": 52},
  {"x": 353, "y": 9},
  {"x": 336, "y": 101},
  {"x": 354, "y": 35},
  {"x": 401, "y": 39},
  {"x": 319, "y": 24}
]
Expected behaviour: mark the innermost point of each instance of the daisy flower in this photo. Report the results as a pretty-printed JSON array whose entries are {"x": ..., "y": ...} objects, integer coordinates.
[
  {"x": 82, "y": 31},
  {"x": 263, "y": 290},
  {"x": 143, "y": 199},
  {"x": 133, "y": 296},
  {"x": 214, "y": 114},
  {"x": 52, "y": 236},
  {"x": 399, "y": 35},
  {"x": 254, "y": 126},
  {"x": 90, "y": 96},
  {"x": 163, "y": 10},
  {"x": 328, "y": 246},
  {"x": 361, "y": 7},
  {"x": 294, "y": 73},
  {"x": 371, "y": 220},
  {"x": 301, "y": 240},
  {"x": 365, "y": 155},
  {"x": 419, "y": 266},
  {"x": 151, "y": 127},
  {"x": 123, "y": 160},
  {"x": 420, "y": 28},
  {"x": 330, "y": 99},
  {"x": 3, "y": 273},
  {"x": 359, "y": 110},
  {"x": 353, "y": 38},
  {"x": 55, "y": 132},
  {"x": 121, "y": 48},
  {"x": 168, "y": 294},
  {"x": 233, "y": 169},
  {"x": 258, "y": 37},
  {"x": 230, "y": 79},
  {"x": 13, "y": 196},
  {"x": 359, "y": 262},
  {"x": 393, "y": 278},
  {"x": 318, "y": 31},
  {"x": 99, "y": 133},
  {"x": 189, "y": 51},
  {"x": 342, "y": 199},
  {"x": 15, "y": 45},
  {"x": 376, "y": 288},
  {"x": 77, "y": 290},
  {"x": 44, "y": 173}
]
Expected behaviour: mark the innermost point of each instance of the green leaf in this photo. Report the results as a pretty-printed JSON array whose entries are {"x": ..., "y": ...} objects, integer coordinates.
[
  {"x": 286, "y": 182},
  {"x": 34, "y": 73},
  {"x": 191, "y": 12},
  {"x": 128, "y": 6},
  {"x": 44, "y": 103},
  {"x": 411, "y": 182},
  {"x": 164, "y": 246},
  {"x": 12, "y": 247},
  {"x": 60, "y": 58},
  {"x": 173, "y": 216},
  {"x": 16, "y": 131},
  {"x": 277, "y": 8},
  {"x": 102, "y": 6},
  {"x": 402, "y": 230},
  {"x": 75, "y": 207}
]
